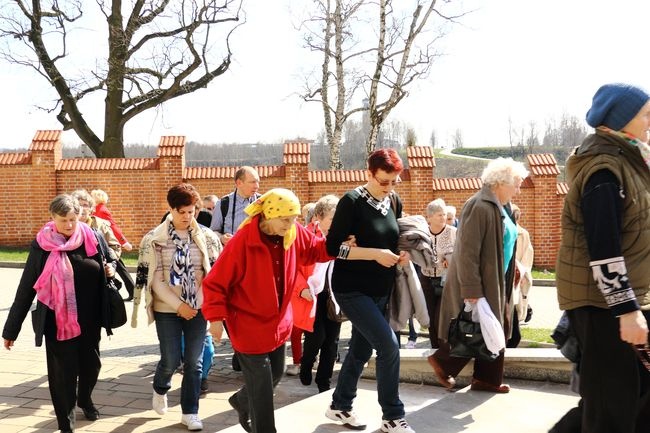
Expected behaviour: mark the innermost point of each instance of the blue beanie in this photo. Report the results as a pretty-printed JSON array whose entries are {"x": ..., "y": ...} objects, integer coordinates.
[{"x": 614, "y": 105}]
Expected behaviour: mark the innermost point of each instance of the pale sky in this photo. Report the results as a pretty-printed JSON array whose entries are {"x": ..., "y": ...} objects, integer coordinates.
[{"x": 523, "y": 59}]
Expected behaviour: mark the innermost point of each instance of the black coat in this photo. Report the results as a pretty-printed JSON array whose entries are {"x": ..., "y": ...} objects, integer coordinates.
[{"x": 25, "y": 294}]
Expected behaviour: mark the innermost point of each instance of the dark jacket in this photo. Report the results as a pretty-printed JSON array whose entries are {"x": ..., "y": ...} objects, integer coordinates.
[
  {"x": 25, "y": 294},
  {"x": 575, "y": 283}
]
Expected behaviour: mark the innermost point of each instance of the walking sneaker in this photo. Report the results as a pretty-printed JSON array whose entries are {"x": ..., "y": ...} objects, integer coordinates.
[
  {"x": 159, "y": 403},
  {"x": 293, "y": 370},
  {"x": 396, "y": 426},
  {"x": 410, "y": 344},
  {"x": 348, "y": 418},
  {"x": 192, "y": 421}
]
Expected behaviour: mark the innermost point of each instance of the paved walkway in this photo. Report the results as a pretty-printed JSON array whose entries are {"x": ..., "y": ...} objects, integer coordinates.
[{"x": 123, "y": 394}]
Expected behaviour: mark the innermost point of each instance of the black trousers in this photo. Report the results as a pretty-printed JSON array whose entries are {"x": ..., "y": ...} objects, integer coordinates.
[
  {"x": 324, "y": 338},
  {"x": 262, "y": 373},
  {"x": 125, "y": 276},
  {"x": 433, "y": 301},
  {"x": 72, "y": 365},
  {"x": 614, "y": 385},
  {"x": 486, "y": 371}
]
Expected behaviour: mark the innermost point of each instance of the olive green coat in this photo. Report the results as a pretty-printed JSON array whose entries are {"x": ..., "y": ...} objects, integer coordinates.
[{"x": 575, "y": 284}]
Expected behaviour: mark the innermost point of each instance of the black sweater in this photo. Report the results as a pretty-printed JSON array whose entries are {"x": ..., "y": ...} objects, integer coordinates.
[{"x": 355, "y": 216}]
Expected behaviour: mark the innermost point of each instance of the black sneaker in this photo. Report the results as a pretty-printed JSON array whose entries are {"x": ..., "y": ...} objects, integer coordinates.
[
  {"x": 244, "y": 419},
  {"x": 91, "y": 413}
]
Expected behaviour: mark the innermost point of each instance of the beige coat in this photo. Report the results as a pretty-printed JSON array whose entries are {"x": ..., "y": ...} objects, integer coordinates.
[
  {"x": 525, "y": 255},
  {"x": 476, "y": 268}
]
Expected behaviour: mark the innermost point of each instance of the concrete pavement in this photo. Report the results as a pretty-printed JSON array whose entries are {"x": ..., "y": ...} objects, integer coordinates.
[{"x": 123, "y": 394}]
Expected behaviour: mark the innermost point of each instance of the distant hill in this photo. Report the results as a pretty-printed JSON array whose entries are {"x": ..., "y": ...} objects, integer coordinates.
[{"x": 517, "y": 153}]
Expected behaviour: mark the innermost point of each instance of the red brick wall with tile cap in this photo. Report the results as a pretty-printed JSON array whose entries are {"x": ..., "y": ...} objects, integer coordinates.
[{"x": 137, "y": 187}]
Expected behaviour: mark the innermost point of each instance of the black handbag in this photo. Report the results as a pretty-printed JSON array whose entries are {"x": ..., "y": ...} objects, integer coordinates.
[
  {"x": 466, "y": 339},
  {"x": 116, "y": 306},
  {"x": 334, "y": 312}
]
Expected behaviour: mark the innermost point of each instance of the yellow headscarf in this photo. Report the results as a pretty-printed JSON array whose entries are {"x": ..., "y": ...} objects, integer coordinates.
[{"x": 276, "y": 203}]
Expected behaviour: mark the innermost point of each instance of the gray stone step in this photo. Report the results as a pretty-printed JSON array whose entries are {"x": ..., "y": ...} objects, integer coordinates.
[{"x": 545, "y": 364}]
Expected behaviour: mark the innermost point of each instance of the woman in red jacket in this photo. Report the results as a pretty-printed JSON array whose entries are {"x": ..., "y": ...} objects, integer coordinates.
[{"x": 250, "y": 288}]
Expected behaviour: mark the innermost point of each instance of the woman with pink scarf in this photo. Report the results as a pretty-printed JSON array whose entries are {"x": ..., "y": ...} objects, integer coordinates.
[{"x": 66, "y": 273}]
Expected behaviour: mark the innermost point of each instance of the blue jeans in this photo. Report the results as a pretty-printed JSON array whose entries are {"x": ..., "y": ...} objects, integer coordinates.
[
  {"x": 208, "y": 354},
  {"x": 370, "y": 330},
  {"x": 171, "y": 329}
]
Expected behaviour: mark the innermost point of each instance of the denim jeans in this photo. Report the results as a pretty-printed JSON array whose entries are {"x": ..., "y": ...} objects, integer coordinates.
[
  {"x": 171, "y": 328},
  {"x": 370, "y": 330},
  {"x": 208, "y": 354},
  {"x": 262, "y": 373}
]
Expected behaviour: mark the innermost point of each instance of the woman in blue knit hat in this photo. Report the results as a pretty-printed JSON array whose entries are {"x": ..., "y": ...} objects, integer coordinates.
[{"x": 603, "y": 266}]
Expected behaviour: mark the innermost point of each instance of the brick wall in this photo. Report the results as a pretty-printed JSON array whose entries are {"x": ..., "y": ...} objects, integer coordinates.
[{"x": 137, "y": 187}]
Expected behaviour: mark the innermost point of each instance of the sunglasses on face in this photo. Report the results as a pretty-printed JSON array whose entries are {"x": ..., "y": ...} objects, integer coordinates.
[{"x": 383, "y": 182}]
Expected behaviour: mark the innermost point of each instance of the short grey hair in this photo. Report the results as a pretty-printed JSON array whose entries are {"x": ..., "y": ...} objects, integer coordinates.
[
  {"x": 62, "y": 204},
  {"x": 503, "y": 171},
  {"x": 325, "y": 205},
  {"x": 82, "y": 194},
  {"x": 438, "y": 205}
]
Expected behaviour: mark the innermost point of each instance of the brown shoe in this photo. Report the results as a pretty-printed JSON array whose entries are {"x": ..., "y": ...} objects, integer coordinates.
[
  {"x": 479, "y": 385},
  {"x": 443, "y": 379}
]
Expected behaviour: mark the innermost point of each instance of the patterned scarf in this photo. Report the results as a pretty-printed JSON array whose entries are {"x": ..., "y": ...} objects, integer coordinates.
[
  {"x": 55, "y": 286},
  {"x": 644, "y": 148},
  {"x": 181, "y": 272},
  {"x": 381, "y": 206}
]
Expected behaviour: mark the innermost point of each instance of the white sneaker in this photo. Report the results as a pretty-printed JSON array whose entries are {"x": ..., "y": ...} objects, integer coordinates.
[
  {"x": 192, "y": 421},
  {"x": 159, "y": 403},
  {"x": 349, "y": 419},
  {"x": 396, "y": 426},
  {"x": 410, "y": 344},
  {"x": 293, "y": 370}
]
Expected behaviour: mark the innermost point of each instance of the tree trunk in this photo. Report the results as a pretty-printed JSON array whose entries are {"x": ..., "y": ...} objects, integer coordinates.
[
  {"x": 335, "y": 150},
  {"x": 371, "y": 141},
  {"x": 113, "y": 108}
]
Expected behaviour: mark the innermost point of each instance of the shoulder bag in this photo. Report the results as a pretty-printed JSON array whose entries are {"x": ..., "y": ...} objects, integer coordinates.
[
  {"x": 466, "y": 339},
  {"x": 334, "y": 312},
  {"x": 115, "y": 303}
]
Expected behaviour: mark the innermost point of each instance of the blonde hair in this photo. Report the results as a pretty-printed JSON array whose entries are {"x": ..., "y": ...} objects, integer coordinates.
[{"x": 99, "y": 195}]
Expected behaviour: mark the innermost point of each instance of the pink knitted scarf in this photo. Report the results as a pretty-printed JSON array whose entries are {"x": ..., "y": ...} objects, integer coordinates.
[{"x": 55, "y": 285}]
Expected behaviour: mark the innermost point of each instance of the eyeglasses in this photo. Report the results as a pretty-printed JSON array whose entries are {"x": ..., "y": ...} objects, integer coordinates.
[{"x": 382, "y": 182}]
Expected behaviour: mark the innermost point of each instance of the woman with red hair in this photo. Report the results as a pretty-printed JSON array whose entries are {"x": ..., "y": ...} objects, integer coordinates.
[{"x": 362, "y": 280}]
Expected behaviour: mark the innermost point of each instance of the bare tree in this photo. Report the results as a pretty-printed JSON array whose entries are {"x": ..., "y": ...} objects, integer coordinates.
[
  {"x": 532, "y": 140},
  {"x": 401, "y": 58},
  {"x": 457, "y": 139},
  {"x": 367, "y": 47},
  {"x": 433, "y": 139},
  {"x": 157, "y": 50},
  {"x": 411, "y": 137},
  {"x": 568, "y": 132}
]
